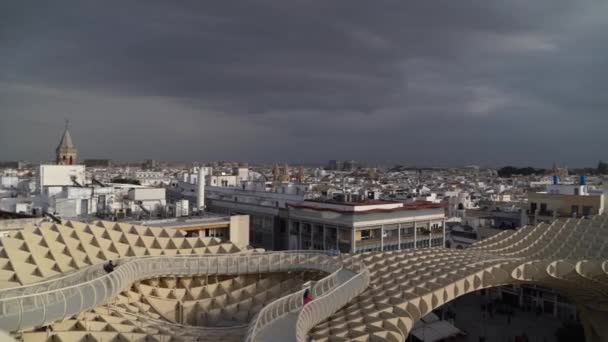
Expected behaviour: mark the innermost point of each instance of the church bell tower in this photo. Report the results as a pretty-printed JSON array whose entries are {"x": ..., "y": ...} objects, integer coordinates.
[{"x": 66, "y": 152}]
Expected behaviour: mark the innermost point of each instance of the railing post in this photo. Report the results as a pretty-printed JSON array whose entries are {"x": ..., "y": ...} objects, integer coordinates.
[
  {"x": 21, "y": 312},
  {"x": 43, "y": 308}
]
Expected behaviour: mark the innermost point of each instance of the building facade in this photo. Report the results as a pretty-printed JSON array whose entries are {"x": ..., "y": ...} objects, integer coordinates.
[
  {"x": 565, "y": 200},
  {"x": 365, "y": 226},
  {"x": 226, "y": 228},
  {"x": 267, "y": 211}
]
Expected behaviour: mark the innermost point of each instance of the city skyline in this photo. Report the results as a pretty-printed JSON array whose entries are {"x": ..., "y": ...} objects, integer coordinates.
[{"x": 423, "y": 84}]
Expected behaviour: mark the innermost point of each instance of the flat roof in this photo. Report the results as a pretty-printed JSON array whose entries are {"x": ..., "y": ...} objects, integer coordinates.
[
  {"x": 7, "y": 215},
  {"x": 353, "y": 204},
  {"x": 374, "y": 206},
  {"x": 187, "y": 221}
]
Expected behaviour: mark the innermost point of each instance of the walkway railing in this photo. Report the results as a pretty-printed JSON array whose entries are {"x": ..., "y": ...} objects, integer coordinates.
[
  {"x": 329, "y": 295},
  {"x": 323, "y": 307},
  {"x": 41, "y": 305},
  {"x": 292, "y": 302},
  {"x": 73, "y": 278}
]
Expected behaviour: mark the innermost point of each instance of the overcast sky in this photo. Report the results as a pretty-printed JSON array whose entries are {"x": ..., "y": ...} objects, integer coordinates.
[{"x": 417, "y": 82}]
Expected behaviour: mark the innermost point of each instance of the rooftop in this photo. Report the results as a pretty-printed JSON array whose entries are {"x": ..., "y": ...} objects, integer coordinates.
[
  {"x": 367, "y": 206},
  {"x": 186, "y": 221}
]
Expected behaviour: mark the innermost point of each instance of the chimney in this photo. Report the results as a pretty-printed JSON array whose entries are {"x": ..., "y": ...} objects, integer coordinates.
[
  {"x": 200, "y": 193},
  {"x": 583, "y": 180}
]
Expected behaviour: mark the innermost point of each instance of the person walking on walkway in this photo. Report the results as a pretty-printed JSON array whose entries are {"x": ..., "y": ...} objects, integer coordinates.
[
  {"x": 109, "y": 267},
  {"x": 307, "y": 297}
]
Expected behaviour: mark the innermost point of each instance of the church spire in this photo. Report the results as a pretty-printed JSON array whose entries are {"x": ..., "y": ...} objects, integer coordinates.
[
  {"x": 66, "y": 139},
  {"x": 66, "y": 150}
]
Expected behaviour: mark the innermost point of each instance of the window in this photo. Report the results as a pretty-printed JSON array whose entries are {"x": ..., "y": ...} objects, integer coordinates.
[
  {"x": 543, "y": 207},
  {"x": 574, "y": 210}
]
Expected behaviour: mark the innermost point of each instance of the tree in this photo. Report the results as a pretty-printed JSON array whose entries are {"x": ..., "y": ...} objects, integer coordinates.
[
  {"x": 121, "y": 180},
  {"x": 509, "y": 171},
  {"x": 602, "y": 168}
]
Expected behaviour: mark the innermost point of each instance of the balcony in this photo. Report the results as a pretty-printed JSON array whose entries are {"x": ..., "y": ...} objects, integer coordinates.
[{"x": 395, "y": 240}]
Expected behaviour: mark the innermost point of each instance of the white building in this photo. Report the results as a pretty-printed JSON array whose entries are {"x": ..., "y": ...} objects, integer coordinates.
[
  {"x": 149, "y": 200},
  {"x": 9, "y": 181},
  {"x": 152, "y": 178},
  {"x": 57, "y": 176}
]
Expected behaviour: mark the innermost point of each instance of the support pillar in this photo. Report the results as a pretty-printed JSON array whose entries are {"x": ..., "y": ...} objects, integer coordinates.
[
  {"x": 415, "y": 234},
  {"x": 312, "y": 235},
  {"x": 353, "y": 245},
  {"x": 382, "y": 238},
  {"x": 324, "y": 237},
  {"x": 337, "y": 238},
  {"x": 555, "y": 305},
  {"x": 443, "y": 230},
  {"x": 299, "y": 235},
  {"x": 399, "y": 236},
  {"x": 429, "y": 226}
]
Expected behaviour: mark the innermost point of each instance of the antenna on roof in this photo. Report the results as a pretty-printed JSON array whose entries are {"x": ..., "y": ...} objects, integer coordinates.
[{"x": 67, "y": 123}]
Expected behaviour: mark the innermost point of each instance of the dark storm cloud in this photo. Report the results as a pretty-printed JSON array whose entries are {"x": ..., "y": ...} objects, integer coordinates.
[{"x": 421, "y": 82}]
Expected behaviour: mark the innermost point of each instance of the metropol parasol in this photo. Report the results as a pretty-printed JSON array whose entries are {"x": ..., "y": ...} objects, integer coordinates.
[{"x": 170, "y": 287}]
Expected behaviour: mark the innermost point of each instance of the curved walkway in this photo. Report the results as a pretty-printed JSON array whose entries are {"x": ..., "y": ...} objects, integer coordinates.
[
  {"x": 40, "y": 304},
  {"x": 284, "y": 328}
]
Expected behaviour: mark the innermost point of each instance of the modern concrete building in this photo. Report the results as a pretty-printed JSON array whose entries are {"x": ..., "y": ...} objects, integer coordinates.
[
  {"x": 365, "y": 226},
  {"x": 267, "y": 210}
]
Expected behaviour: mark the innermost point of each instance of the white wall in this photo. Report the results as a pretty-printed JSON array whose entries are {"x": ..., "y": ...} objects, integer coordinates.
[
  {"x": 229, "y": 180},
  {"x": 8, "y": 182},
  {"x": 243, "y": 174},
  {"x": 61, "y": 175},
  {"x": 147, "y": 194},
  {"x": 239, "y": 230}
]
